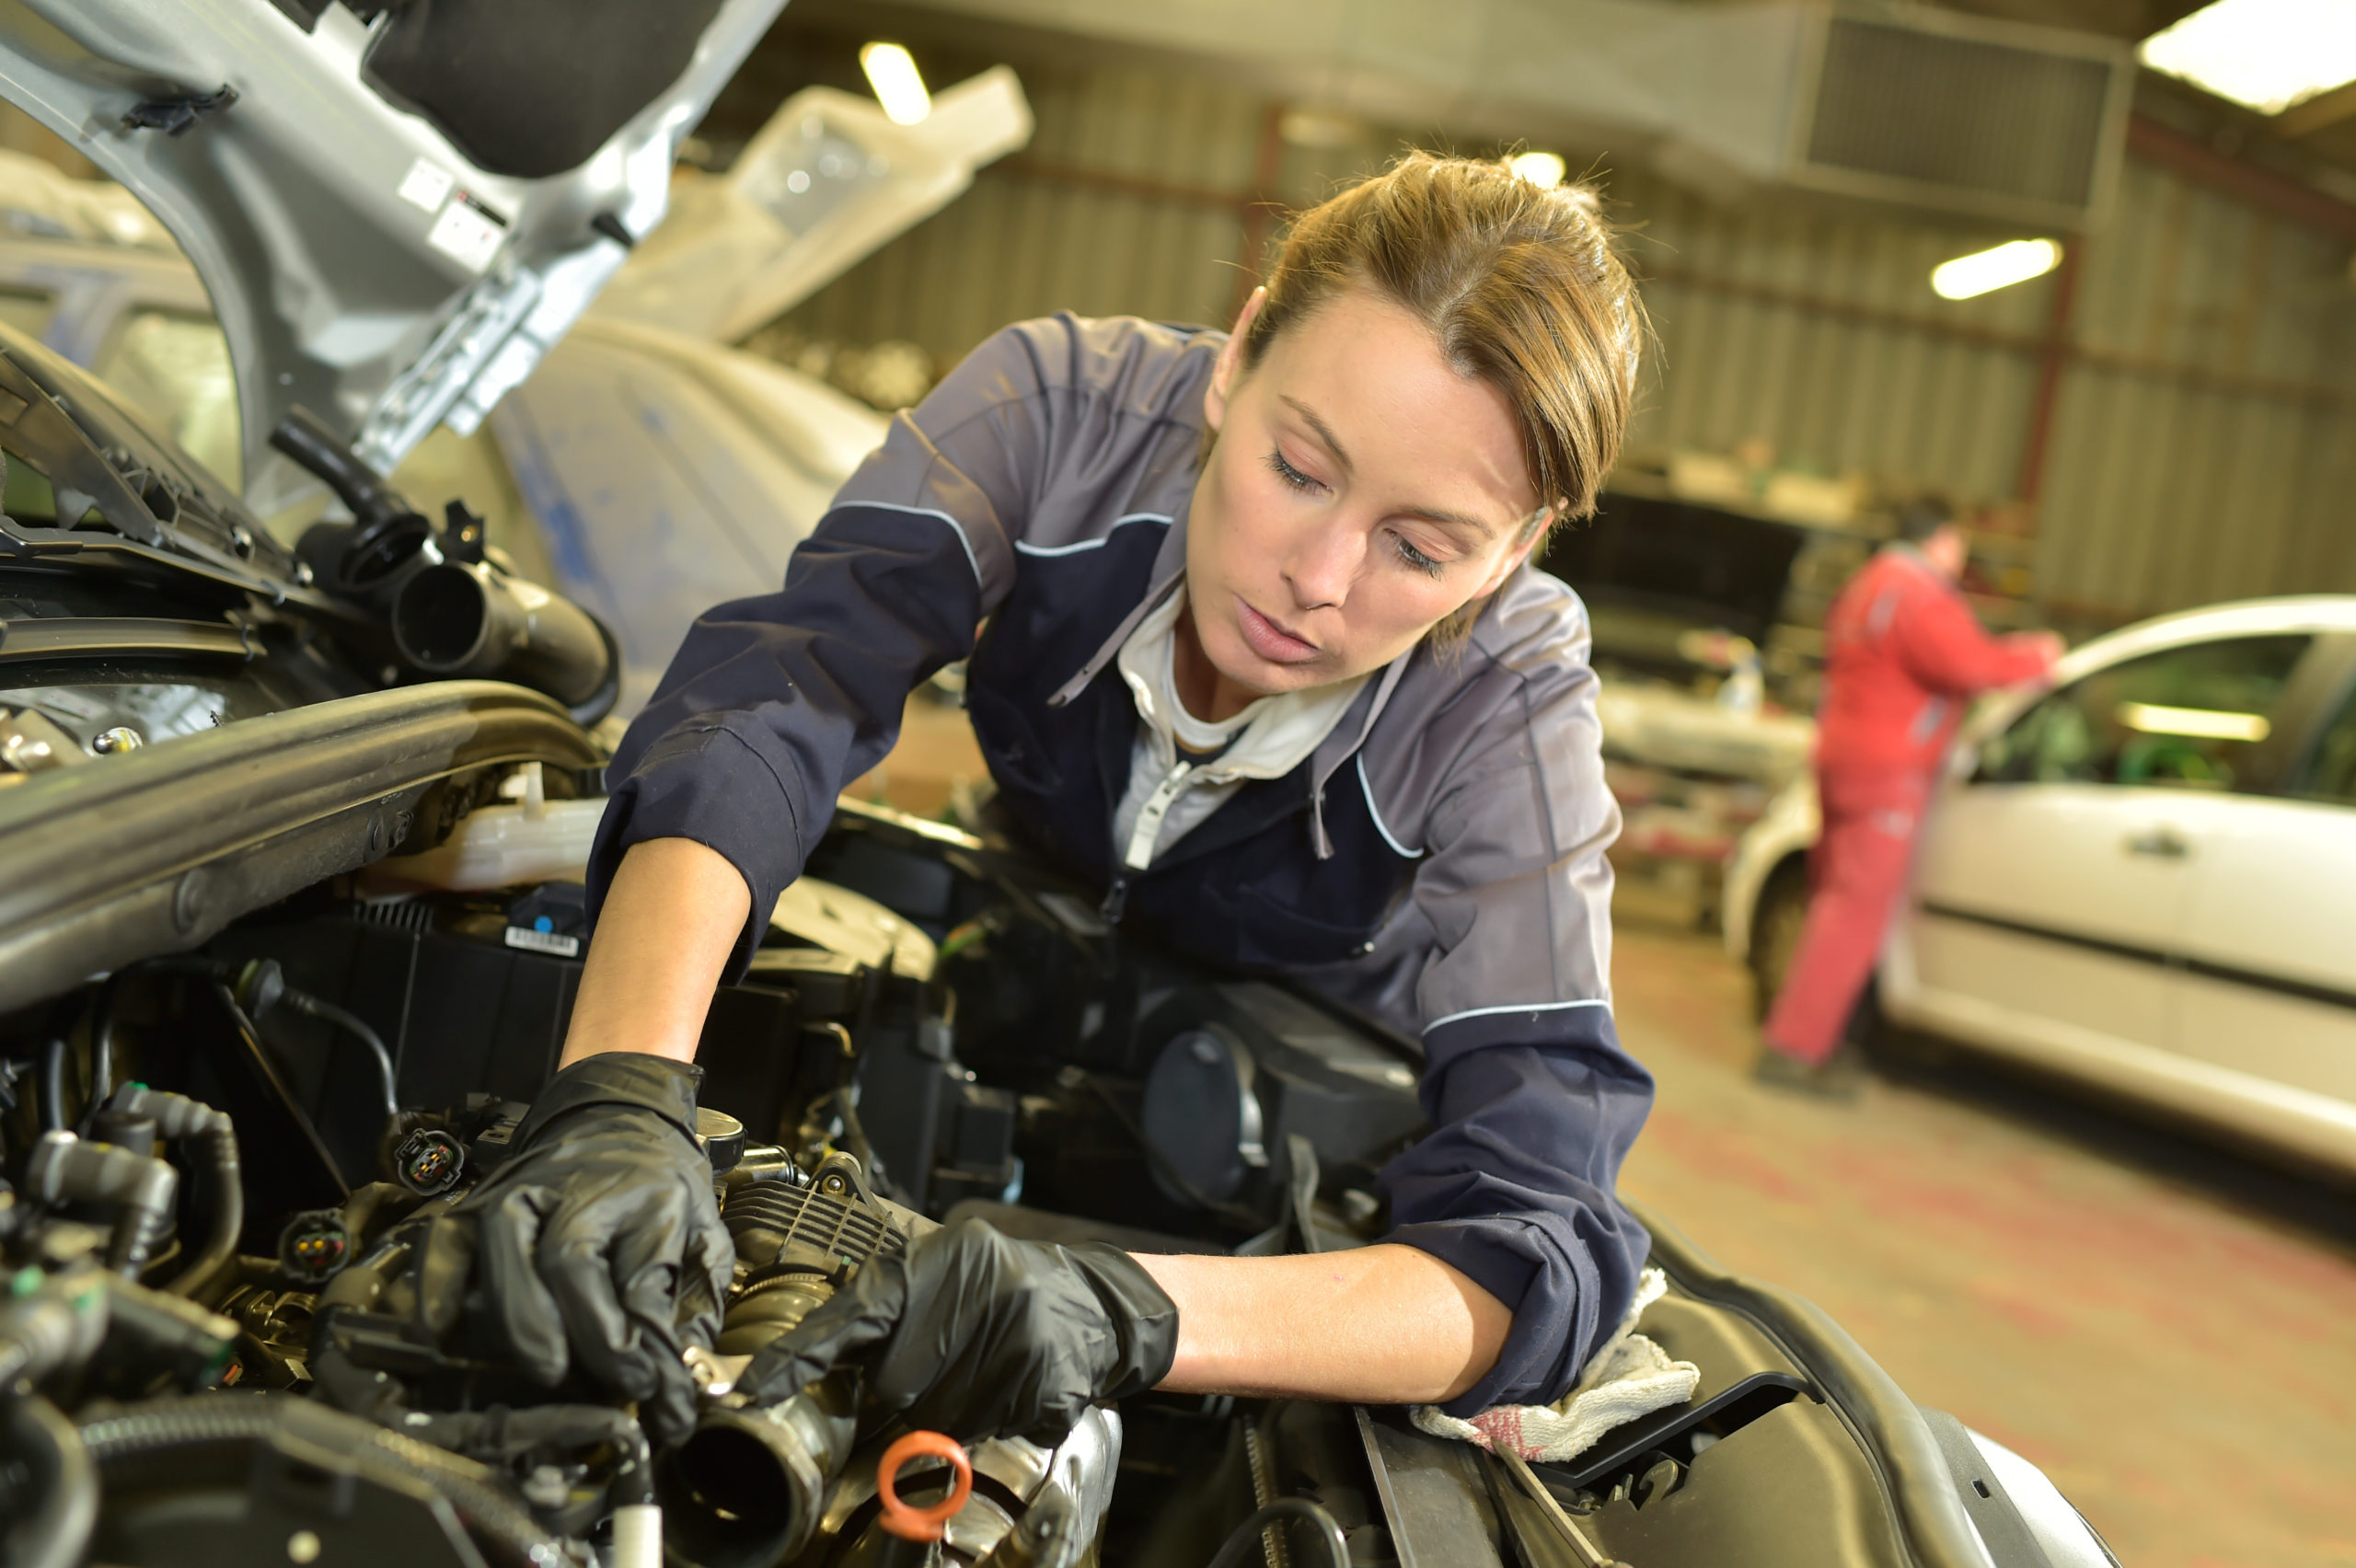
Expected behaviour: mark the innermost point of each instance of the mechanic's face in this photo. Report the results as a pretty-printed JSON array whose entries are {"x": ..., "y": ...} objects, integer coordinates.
[{"x": 1360, "y": 492}]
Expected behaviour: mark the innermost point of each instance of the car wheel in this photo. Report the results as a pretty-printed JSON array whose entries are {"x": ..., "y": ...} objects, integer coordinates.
[{"x": 1775, "y": 926}]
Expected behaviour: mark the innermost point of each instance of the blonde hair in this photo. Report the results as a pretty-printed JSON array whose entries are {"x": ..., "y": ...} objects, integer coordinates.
[{"x": 1521, "y": 284}]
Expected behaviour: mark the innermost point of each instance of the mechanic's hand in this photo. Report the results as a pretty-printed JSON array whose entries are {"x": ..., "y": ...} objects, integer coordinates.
[
  {"x": 976, "y": 1334},
  {"x": 598, "y": 1241},
  {"x": 2050, "y": 646}
]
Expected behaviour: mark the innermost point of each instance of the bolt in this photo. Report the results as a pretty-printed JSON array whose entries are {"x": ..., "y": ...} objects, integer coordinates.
[{"x": 546, "y": 1487}]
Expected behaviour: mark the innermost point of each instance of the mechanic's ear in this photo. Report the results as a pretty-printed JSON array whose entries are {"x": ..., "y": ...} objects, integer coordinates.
[{"x": 1227, "y": 373}]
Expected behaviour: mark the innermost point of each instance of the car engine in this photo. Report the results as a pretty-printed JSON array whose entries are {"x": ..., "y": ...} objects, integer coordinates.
[{"x": 230, "y": 1159}]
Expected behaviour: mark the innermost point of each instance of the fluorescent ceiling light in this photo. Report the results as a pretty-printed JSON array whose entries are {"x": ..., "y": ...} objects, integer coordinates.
[
  {"x": 898, "y": 87},
  {"x": 2268, "y": 54},
  {"x": 2202, "y": 723},
  {"x": 2015, "y": 261},
  {"x": 1543, "y": 169}
]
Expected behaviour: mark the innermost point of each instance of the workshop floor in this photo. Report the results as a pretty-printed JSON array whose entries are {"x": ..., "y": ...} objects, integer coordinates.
[{"x": 2169, "y": 1331}]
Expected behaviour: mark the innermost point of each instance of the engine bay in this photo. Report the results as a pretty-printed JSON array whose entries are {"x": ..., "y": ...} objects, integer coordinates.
[
  {"x": 340, "y": 1067},
  {"x": 224, "y": 1161}
]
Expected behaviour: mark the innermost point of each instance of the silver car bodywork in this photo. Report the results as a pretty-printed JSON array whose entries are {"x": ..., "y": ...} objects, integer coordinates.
[{"x": 362, "y": 266}]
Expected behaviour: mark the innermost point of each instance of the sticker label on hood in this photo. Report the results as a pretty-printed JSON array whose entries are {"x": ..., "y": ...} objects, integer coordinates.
[
  {"x": 468, "y": 232},
  {"x": 427, "y": 185}
]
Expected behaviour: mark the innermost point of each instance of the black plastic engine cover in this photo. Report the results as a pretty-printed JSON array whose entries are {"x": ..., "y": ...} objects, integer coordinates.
[{"x": 1251, "y": 1057}]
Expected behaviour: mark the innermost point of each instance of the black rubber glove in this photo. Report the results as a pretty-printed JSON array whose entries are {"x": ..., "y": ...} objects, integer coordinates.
[
  {"x": 598, "y": 1242},
  {"x": 976, "y": 1334}
]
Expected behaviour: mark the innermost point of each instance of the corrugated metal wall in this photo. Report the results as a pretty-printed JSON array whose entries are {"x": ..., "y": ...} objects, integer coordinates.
[{"x": 2200, "y": 430}]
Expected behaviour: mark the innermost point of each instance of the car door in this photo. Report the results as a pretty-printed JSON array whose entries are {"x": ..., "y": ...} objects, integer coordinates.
[
  {"x": 2269, "y": 986},
  {"x": 2054, "y": 878}
]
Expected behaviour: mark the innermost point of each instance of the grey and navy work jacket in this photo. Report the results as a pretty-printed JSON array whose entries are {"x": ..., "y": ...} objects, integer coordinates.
[{"x": 1437, "y": 861}]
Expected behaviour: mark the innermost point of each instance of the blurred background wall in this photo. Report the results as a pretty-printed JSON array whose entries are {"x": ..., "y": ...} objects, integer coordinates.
[{"x": 2165, "y": 419}]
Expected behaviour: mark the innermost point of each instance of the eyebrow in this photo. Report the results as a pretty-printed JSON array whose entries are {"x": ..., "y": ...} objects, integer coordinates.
[{"x": 1333, "y": 444}]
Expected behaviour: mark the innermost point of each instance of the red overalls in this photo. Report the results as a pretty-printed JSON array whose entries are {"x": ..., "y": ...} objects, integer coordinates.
[{"x": 1902, "y": 655}]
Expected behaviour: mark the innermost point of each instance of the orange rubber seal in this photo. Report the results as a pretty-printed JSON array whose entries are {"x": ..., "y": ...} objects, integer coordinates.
[{"x": 931, "y": 1522}]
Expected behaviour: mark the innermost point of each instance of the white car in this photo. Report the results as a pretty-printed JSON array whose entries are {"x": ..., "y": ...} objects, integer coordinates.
[{"x": 2143, "y": 879}]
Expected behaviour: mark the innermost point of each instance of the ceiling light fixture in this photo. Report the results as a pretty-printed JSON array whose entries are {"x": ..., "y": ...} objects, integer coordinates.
[
  {"x": 899, "y": 87},
  {"x": 2268, "y": 55},
  {"x": 1544, "y": 170},
  {"x": 1983, "y": 272}
]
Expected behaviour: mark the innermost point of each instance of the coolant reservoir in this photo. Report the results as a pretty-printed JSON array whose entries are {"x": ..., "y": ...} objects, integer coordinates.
[{"x": 536, "y": 840}]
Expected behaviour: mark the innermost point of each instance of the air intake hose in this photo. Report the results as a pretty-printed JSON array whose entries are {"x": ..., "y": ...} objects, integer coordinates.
[
  {"x": 747, "y": 1488},
  {"x": 457, "y": 620}
]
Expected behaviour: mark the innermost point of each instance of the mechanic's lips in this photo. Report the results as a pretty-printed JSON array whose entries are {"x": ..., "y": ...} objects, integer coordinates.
[{"x": 1272, "y": 641}]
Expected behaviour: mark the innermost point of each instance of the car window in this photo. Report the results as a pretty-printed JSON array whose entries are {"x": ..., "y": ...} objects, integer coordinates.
[
  {"x": 2330, "y": 771},
  {"x": 2189, "y": 717},
  {"x": 174, "y": 367}
]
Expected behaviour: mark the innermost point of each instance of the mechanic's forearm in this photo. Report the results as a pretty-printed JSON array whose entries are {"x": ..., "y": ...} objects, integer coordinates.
[
  {"x": 1380, "y": 1325},
  {"x": 669, "y": 922}
]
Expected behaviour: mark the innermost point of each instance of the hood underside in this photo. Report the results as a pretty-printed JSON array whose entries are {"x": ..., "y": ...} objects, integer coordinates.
[{"x": 395, "y": 209}]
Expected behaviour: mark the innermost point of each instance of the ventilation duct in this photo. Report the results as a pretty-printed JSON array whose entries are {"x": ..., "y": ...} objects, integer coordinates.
[{"x": 1932, "y": 109}]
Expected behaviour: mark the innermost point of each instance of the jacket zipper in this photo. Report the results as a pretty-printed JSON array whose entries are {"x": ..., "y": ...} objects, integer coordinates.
[{"x": 1139, "y": 853}]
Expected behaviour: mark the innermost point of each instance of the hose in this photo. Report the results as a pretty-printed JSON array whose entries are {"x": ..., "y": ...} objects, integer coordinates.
[
  {"x": 65, "y": 1485},
  {"x": 52, "y": 1084},
  {"x": 1247, "y": 1534},
  {"x": 65, "y": 1169},
  {"x": 102, "y": 1051},
  {"x": 228, "y": 1211},
  {"x": 179, "y": 1117},
  {"x": 379, "y": 1454},
  {"x": 329, "y": 1013}
]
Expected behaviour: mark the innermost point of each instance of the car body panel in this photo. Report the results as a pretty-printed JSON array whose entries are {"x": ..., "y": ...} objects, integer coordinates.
[
  {"x": 2268, "y": 987},
  {"x": 361, "y": 266},
  {"x": 2001, "y": 867}
]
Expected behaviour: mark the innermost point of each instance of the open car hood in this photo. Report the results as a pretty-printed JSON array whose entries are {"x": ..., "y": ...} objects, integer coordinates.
[{"x": 397, "y": 209}]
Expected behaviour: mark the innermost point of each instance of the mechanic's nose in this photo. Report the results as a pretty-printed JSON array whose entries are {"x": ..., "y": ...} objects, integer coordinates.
[{"x": 1322, "y": 563}]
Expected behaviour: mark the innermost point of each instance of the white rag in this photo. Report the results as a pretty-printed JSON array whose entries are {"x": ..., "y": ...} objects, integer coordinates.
[{"x": 1629, "y": 1377}]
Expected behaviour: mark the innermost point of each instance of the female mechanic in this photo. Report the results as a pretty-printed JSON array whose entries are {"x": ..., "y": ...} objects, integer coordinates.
[{"x": 1260, "y": 652}]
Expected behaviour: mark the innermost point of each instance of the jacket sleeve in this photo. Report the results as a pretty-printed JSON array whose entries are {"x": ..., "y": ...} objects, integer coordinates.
[
  {"x": 773, "y": 704},
  {"x": 1941, "y": 646},
  {"x": 1532, "y": 1102}
]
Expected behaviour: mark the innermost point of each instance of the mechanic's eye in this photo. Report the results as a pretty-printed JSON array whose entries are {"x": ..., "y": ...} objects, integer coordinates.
[
  {"x": 1429, "y": 565},
  {"x": 1289, "y": 474}
]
